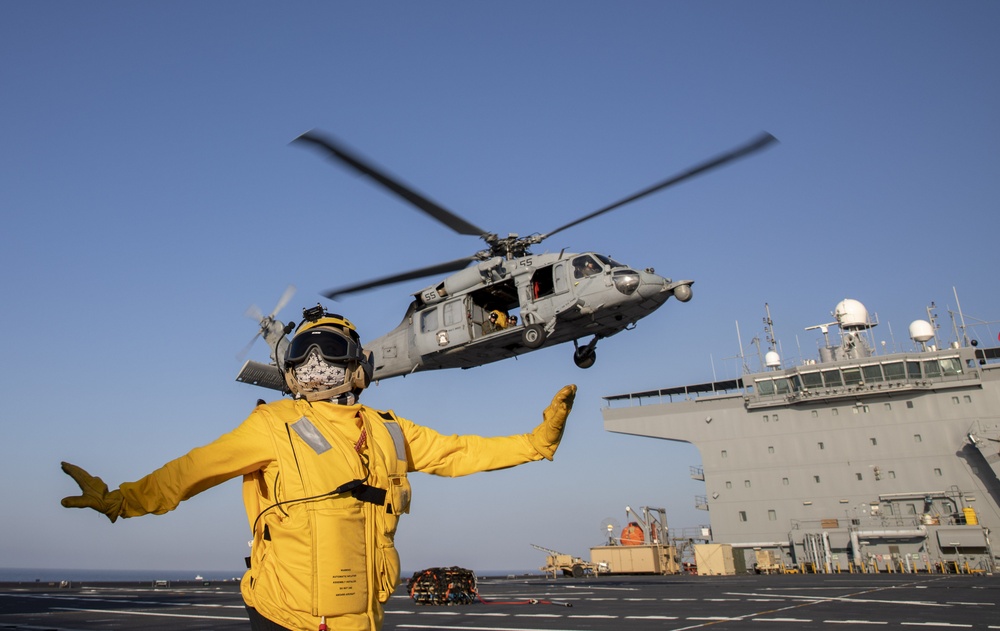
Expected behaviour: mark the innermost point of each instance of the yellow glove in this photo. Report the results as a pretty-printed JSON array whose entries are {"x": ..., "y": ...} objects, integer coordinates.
[
  {"x": 95, "y": 493},
  {"x": 545, "y": 439}
]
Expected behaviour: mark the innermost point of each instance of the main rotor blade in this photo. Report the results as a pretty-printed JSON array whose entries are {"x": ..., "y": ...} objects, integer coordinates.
[
  {"x": 754, "y": 145},
  {"x": 440, "y": 268},
  {"x": 435, "y": 210}
]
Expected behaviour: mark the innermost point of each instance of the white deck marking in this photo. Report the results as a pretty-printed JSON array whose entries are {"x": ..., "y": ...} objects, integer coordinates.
[{"x": 121, "y": 612}]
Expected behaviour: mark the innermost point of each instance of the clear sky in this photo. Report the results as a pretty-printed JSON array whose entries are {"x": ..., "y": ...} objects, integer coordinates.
[{"x": 150, "y": 196}]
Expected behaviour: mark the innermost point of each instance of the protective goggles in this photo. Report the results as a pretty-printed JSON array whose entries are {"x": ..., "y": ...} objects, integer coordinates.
[{"x": 332, "y": 346}]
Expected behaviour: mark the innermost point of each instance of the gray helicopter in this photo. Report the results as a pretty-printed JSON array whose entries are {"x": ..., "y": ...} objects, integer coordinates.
[{"x": 502, "y": 301}]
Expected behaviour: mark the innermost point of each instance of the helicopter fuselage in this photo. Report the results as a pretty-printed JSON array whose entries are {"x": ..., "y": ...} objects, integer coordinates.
[{"x": 544, "y": 300}]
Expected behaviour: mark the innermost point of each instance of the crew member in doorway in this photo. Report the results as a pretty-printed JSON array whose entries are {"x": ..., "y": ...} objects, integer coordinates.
[{"x": 498, "y": 320}]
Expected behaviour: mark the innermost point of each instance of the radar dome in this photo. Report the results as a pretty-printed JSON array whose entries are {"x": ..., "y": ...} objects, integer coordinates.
[
  {"x": 851, "y": 314},
  {"x": 772, "y": 359},
  {"x": 921, "y": 331}
]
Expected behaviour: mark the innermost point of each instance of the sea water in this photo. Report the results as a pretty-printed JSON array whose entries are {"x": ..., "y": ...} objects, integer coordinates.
[{"x": 46, "y": 575}]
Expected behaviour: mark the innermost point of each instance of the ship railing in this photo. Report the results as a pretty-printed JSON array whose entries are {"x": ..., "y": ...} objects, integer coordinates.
[
  {"x": 675, "y": 394},
  {"x": 885, "y": 522}
]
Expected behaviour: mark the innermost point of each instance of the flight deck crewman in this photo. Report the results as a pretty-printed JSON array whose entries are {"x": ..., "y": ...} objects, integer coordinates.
[
  {"x": 324, "y": 483},
  {"x": 498, "y": 320}
]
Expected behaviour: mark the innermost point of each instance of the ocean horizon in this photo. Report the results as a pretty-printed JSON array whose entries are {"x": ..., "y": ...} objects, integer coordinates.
[{"x": 47, "y": 575}]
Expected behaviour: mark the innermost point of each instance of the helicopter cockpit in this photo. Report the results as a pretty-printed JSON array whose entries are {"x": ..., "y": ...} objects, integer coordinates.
[{"x": 585, "y": 266}]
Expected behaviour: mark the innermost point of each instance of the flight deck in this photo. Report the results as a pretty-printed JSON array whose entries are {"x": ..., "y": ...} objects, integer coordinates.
[{"x": 788, "y": 602}]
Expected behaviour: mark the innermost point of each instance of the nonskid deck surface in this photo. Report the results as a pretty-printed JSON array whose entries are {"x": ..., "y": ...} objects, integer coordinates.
[{"x": 833, "y": 602}]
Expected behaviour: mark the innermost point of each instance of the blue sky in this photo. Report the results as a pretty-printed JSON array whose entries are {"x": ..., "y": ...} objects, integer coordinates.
[{"x": 150, "y": 195}]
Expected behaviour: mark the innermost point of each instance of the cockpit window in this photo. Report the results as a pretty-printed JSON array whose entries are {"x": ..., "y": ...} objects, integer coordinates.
[
  {"x": 585, "y": 265},
  {"x": 610, "y": 262}
]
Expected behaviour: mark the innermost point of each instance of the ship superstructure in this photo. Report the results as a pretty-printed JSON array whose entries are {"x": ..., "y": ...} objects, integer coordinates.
[{"x": 853, "y": 462}]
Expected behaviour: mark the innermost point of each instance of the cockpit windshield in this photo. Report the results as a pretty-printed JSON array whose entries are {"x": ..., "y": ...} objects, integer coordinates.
[{"x": 610, "y": 262}]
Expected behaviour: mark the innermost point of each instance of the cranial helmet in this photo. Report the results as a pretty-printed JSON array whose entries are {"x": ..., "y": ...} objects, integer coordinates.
[{"x": 328, "y": 346}]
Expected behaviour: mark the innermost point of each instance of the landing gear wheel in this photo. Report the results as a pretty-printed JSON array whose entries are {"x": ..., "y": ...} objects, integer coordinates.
[
  {"x": 533, "y": 336},
  {"x": 584, "y": 358}
]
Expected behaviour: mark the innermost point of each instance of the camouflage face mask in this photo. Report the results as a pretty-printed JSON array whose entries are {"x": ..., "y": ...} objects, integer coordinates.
[{"x": 315, "y": 373}]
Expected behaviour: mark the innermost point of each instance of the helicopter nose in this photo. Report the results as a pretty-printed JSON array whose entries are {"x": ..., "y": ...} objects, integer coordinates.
[
  {"x": 653, "y": 287},
  {"x": 658, "y": 289}
]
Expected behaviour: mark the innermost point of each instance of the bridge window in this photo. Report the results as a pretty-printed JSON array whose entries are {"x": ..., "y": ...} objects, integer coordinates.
[
  {"x": 894, "y": 371},
  {"x": 872, "y": 373},
  {"x": 913, "y": 370},
  {"x": 852, "y": 376},
  {"x": 832, "y": 378},
  {"x": 812, "y": 380},
  {"x": 951, "y": 367},
  {"x": 765, "y": 387},
  {"x": 932, "y": 368},
  {"x": 782, "y": 386}
]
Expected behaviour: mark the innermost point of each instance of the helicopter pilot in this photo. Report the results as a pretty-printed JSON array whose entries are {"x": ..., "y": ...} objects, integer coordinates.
[
  {"x": 324, "y": 482},
  {"x": 584, "y": 267}
]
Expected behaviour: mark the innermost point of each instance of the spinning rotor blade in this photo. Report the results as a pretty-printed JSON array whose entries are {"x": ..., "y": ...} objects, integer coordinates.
[
  {"x": 440, "y": 268},
  {"x": 754, "y": 145},
  {"x": 339, "y": 152},
  {"x": 285, "y": 297},
  {"x": 253, "y": 312}
]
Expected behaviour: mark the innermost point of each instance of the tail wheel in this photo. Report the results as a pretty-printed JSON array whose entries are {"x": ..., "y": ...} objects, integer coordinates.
[{"x": 533, "y": 336}]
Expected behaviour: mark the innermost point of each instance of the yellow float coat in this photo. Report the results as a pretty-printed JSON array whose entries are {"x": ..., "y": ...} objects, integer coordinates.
[{"x": 314, "y": 554}]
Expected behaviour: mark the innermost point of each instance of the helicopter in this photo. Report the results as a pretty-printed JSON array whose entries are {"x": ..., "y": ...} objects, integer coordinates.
[{"x": 502, "y": 301}]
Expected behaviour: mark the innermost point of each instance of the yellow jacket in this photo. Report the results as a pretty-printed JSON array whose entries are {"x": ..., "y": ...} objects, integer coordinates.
[{"x": 316, "y": 554}]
